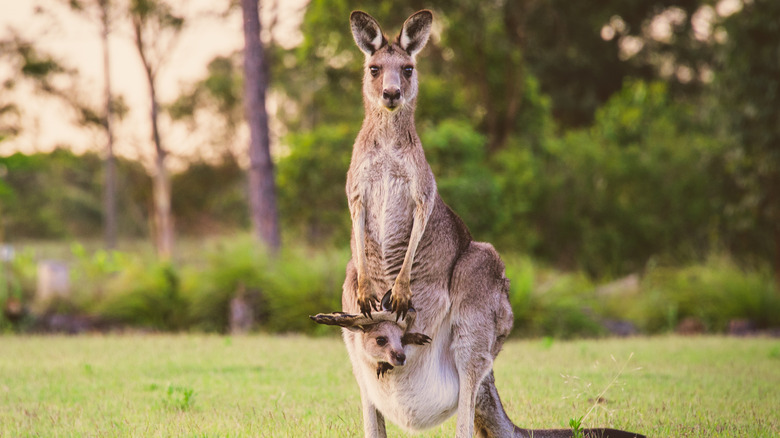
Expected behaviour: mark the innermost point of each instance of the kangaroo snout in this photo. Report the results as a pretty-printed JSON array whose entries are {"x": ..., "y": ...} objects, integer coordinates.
[
  {"x": 391, "y": 97},
  {"x": 398, "y": 357},
  {"x": 391, "y": 94}
]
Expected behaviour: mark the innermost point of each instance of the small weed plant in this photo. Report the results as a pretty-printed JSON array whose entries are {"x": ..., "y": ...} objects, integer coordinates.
[
  {"x": 576, "y": 427},
  {"x": 598, "y": 401},
  {"x": 180, "y": 397}
]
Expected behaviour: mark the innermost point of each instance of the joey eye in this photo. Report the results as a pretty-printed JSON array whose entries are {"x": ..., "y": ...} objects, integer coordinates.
[
  {"x": 408, "y": 71},
  {"x": 374, "y": 70},
  {"x": 381, "y": 341}
]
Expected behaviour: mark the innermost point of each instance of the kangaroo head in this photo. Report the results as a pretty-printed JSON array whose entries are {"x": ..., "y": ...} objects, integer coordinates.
[
  {"x": 382, "y": 342},
  {"x": 382, "y": 336},
  {"x": 390, "y": 78}
]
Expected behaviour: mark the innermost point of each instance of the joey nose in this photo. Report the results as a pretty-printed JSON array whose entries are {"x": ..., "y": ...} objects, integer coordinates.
[{"x": 400, "y": 358}]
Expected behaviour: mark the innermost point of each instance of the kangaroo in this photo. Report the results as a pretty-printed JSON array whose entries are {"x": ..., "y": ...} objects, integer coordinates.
[{"x": 408, "y": 242}]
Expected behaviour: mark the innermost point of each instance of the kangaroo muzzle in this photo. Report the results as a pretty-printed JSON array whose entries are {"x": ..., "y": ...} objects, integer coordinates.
[{"x": 391, "y": 90}]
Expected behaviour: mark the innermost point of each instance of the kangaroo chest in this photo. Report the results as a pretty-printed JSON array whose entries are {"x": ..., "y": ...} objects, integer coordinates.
[{"x": 385, "y": 178}]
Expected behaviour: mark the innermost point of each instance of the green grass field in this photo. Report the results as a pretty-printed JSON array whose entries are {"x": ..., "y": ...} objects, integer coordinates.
[{"x": 211, "y": 386}]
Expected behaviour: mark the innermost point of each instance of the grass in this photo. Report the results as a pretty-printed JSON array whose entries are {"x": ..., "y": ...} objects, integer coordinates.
[{"x": 276, "y": 386}]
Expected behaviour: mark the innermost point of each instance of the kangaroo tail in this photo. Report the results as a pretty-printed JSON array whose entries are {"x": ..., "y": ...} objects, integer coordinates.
[
  {"x": 568, "y": 433},
  {"x": 491, "y": 421}
]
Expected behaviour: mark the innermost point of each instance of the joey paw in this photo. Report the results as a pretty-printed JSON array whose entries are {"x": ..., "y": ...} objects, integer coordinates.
[{"x": 382, "y": 368}]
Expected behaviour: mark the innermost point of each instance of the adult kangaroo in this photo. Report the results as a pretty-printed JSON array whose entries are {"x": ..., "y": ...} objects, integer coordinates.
[{"x": 407, "y": 241}]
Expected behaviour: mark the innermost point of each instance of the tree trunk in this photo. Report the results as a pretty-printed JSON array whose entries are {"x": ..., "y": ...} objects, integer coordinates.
[
  {"x": 109, "y": 191},
  {"x": 163, "y": 220},
  {"x": 161, "y": 187},
  {"x": 262, "y": 191}
]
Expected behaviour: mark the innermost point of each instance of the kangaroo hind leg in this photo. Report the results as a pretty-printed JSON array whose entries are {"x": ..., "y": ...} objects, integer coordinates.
[{"x": 481, "y": 319}]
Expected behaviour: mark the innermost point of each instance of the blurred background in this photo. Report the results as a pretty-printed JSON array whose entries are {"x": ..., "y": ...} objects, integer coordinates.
[{"x": 623, "y": 156}]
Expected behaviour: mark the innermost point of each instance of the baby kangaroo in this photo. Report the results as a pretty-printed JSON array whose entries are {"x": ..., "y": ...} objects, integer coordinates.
[{"x": 383, "y": 339}]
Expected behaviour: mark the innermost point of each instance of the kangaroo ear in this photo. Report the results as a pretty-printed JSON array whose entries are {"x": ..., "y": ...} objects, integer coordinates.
[
  {"x": 366, "y": 31},
  {"x": 415, "y": 338},
  {"x": 355, "y": 323},
  {"x": 416, "y": 31}
]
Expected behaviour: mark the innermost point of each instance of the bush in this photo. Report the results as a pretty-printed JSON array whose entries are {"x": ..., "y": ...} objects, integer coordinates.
[
  {"x": 551, "y": 303},
  {"x": 304, "y": 283},
  {"x": 146, "y": 295},
  {"x": 17, "y": 284},
  {"x": 283, "y": 291},
  {"x": 714, "y": 293},
  {"x": 195, "y": 294},
  {"x": 233, "y": 265}
]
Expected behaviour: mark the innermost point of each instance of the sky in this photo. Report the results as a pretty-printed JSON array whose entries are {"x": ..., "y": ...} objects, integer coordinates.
[{"x": 75, "y": 40}]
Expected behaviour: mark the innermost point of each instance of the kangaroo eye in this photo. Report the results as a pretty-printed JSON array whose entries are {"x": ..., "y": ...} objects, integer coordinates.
[
  {"x": 381, "y": 341},
  {"x": 374, "y": 70},
  {"x": 408, "y": 71}
]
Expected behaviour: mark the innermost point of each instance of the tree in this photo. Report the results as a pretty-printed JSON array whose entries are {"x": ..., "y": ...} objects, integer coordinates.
[
  {"x": 749, "y": 84},
  {"x": 103, "y": 9},
  {"x": 262, "y": 192},
  {"x": 155, "y": 31}
]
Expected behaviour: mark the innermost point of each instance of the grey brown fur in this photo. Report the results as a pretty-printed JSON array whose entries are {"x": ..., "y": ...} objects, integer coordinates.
[{"x": 406, "y": 240}]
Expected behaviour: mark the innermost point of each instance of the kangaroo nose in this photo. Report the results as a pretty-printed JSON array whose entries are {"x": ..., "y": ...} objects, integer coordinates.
[
  {"x": 400, "y": 357},
  {"x": 391, "y": 94}
]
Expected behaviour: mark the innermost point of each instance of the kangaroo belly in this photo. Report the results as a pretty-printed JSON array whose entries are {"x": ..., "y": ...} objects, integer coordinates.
[{"x": 419, "y": 395}]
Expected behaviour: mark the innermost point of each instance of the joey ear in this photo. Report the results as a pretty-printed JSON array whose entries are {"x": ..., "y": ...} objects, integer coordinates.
[
  {"x": 415, "y": 338},
  {"x": 366, "y": 32},
  {"x": 355, "y": 323},
  {"x": 416, "y": 31}
]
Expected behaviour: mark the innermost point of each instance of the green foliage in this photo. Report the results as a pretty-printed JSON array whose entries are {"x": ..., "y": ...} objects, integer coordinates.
[
  {"x": 304, "y": 284},
  {"x": 311, "y": 180},
  {"x": 714, "y": 293},
  {"x": 149, "y": 13},
  {"x": 194, "y": 293},
  {"x": 458, "y": 158},
  {"x": 639, "y": 183},
  {"x": 180, "y": 398},
  {"x": 231, "y": 267},
  {"x": 208, "y": 198},
  {"x": 748, "y": 84},
  {"x": 214, "y": 103},
  {"x": 282, "y": 291},
  {"x": 576, "y": 427},
  {"x": 145, "y": 294},
  {"x": 549, "y": 303},
  {"x": 17, "y": 283},
  {"x": 59, "y": 195}
]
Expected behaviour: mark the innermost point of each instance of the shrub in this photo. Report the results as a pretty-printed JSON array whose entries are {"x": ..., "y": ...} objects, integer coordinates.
[
  {"x": 232, "y": 265},
  {"x": 145, "y": 294},
  {"x": 551, "y": 303},
  {"x": 715, "y": 293},
  {"x": 304, "y": 283},
  {"x": 17, "y": 283},
  {"x": 283, "y": 291}
]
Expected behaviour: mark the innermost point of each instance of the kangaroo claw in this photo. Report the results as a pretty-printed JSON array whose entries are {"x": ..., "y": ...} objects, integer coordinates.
[
  {"x": 400, "y": 307},
  {"x": 367, "y": 305}
]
